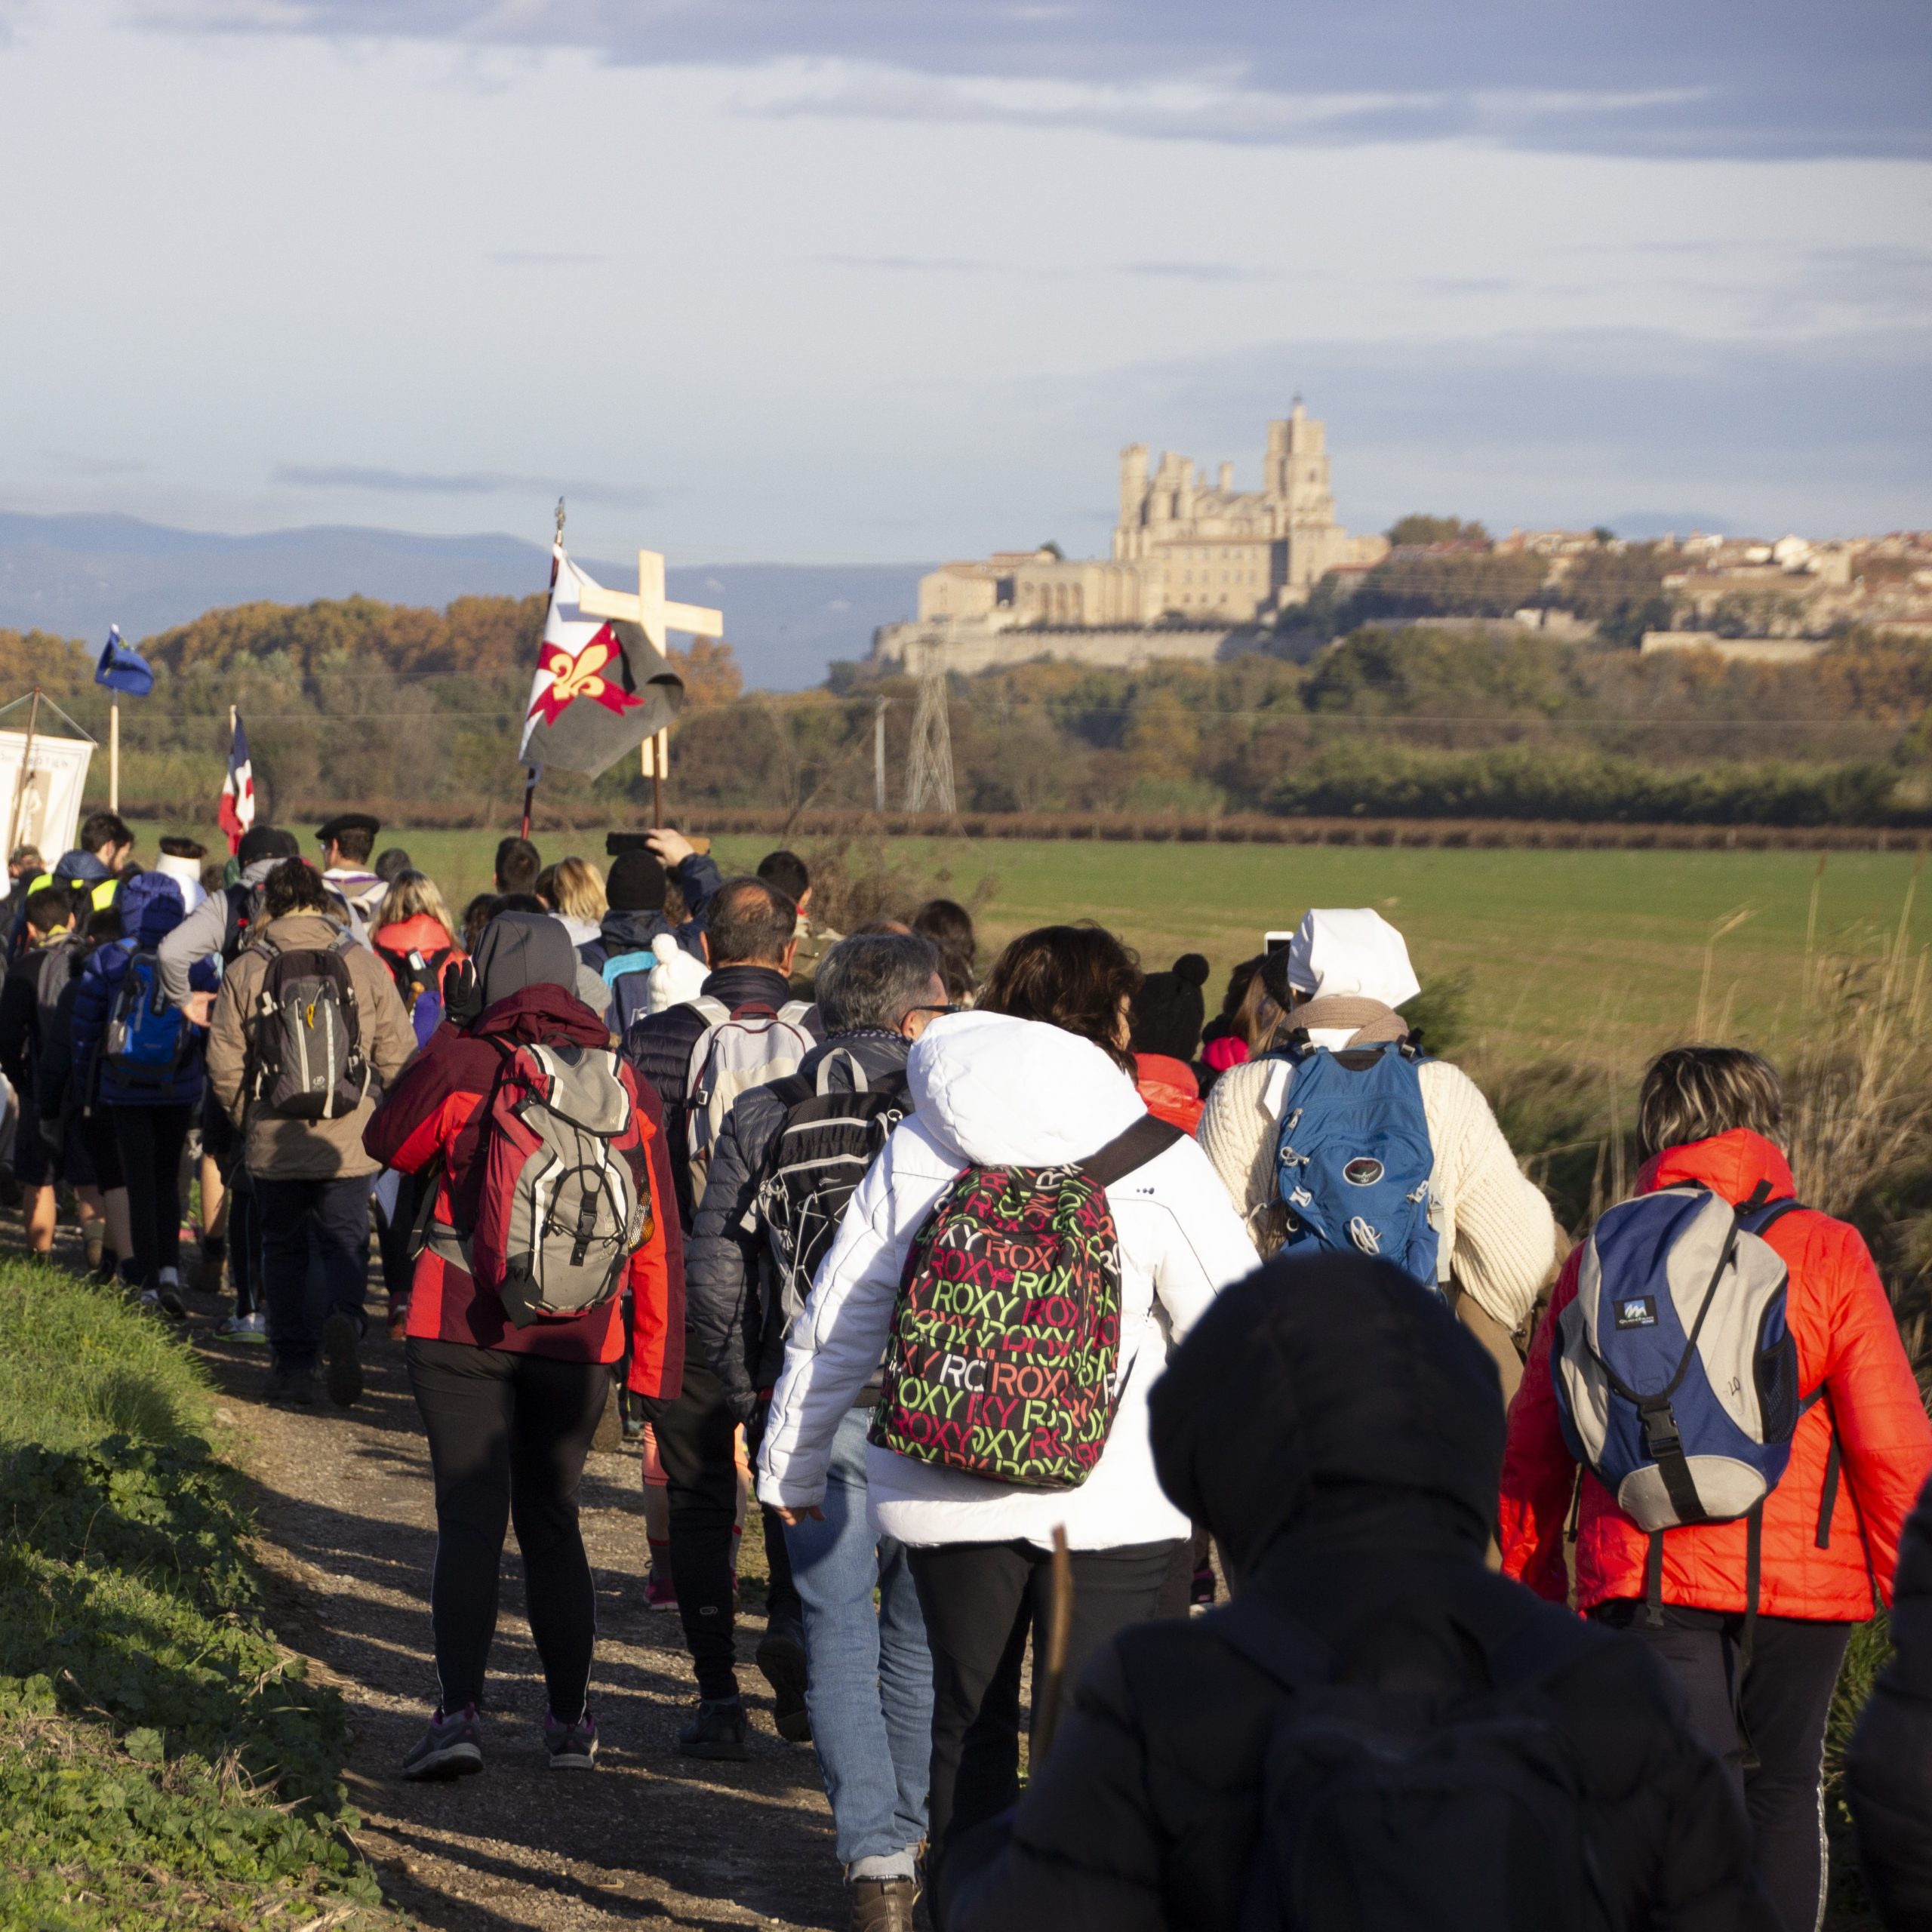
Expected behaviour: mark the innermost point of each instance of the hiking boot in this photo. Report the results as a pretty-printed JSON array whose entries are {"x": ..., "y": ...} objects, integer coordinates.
[
  {"x": 291, "y": 1387},
  {"x": 573, "y": 1746},
  {"x": 883, "y": 1905},
  {"x": 342, "y": 1349},
  {"x": 451, "y": 1748},
  {"x": 781, "y": 1657},
  {"x": 399, "y": 1322},
  {"x": 659, "y": 1592},
  {"x": 718, "y": 1732},
  {"x": 150, "y": 1301},
  {"x": 169, "y": 1292},
  {"x": 243, "y": 1328}
]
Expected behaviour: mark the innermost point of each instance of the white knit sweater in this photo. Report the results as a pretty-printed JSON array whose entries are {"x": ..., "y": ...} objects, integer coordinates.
[{"x": 1497, "y": 1232}]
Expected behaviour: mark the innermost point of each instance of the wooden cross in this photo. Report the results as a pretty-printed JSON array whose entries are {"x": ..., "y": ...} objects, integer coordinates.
[
  {"x": 649, "y": 610},
  {"x": 653, "y": 614}
]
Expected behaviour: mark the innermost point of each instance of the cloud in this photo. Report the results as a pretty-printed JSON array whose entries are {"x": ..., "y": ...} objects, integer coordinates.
[
  {"x": 465, "y": 483},
  {"x": 1775, "y": 77}
]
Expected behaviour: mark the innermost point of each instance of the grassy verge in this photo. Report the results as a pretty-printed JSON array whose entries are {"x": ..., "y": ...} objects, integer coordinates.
[{"x": 163, "y": 1761}]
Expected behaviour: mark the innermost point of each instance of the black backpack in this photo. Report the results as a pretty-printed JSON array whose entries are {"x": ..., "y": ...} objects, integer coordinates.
[
  {"x": 817, "y": 1158},
  {"x": 1429, "y": 1810},
  {"x": 306, "y": 1039}
]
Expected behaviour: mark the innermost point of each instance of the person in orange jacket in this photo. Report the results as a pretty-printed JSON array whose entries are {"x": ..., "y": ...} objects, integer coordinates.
[{"x": 1711, "y": 1117}]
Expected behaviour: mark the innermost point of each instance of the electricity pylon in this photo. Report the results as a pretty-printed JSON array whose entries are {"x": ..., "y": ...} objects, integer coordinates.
[{"x": 929, "y": 767}]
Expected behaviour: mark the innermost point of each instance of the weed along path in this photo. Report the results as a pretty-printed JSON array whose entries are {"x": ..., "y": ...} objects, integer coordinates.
[{"x": 650, "y": 1839}]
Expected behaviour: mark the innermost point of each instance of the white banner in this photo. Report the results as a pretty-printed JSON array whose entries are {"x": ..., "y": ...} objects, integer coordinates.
[{"x": 50, "y": 810}]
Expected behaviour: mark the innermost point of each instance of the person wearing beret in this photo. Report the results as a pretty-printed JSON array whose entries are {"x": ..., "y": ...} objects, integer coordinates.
[{"x": 346, "y": 841}]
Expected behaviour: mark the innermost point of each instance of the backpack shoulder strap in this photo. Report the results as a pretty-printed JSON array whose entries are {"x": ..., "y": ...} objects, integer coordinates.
[
  {"x": 1140, "y": 1144},
  {"x": 860, "y": 1084},
  {"x": 713, "y": 1010}
]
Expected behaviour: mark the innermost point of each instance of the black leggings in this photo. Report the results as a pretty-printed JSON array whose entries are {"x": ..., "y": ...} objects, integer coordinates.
[
  {"x": 508, "y": 1435},
  {"x": 149, "y": 1140},
  {"x": 982, "y": 1600},
  {"x": 1777, "y": 1712}
]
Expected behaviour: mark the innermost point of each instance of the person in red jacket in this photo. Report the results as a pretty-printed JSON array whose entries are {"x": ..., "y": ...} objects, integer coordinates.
[
  {"x": 1710, "y": 1117},
  {"x": 510, "y": 1411}
]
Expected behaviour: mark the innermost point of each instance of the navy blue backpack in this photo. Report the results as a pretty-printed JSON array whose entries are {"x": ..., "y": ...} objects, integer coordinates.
[{"x": 1353, "y": 1159}]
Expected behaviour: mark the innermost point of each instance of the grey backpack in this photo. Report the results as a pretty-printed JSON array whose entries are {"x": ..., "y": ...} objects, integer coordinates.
[{"x": 559, "y": 1211}]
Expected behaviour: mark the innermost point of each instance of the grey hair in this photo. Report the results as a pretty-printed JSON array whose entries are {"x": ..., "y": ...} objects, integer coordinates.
[
  {"x": 874, "y": 980},
  {"x": 1693, "y": 1093}
]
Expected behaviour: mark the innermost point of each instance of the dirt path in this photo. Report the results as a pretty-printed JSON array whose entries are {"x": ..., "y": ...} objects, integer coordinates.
[{"x": 651, "y": 1838}]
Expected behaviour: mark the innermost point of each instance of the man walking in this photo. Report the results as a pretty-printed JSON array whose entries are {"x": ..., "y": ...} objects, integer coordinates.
[
  {"x": 308, "y": 1029},
  {"x": 743, "y": 1030},
  {"x": 790, "y": 1155},
  {"x": 346, "y": 841}
]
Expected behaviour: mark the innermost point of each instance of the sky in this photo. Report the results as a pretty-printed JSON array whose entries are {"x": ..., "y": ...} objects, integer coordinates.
[{"x": 862, "y": 280}]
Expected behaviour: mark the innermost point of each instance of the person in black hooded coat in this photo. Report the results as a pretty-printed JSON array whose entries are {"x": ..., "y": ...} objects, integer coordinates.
[{"x": 1343, "y": 1437}]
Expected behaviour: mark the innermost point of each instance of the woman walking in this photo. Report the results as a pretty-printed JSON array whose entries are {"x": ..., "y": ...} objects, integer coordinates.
[
  {"x": 510, "y": 1409},
  {"x": 1039, "y": 1078},
  {"x": 1751, "y": 1617}
]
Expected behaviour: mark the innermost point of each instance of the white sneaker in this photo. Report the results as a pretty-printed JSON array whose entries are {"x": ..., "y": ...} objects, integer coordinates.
[{"x": 243, "y": 1328}]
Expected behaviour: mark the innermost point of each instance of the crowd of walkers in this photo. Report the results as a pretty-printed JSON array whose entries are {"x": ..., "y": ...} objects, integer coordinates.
[{"x": 1035, "y": 1312}]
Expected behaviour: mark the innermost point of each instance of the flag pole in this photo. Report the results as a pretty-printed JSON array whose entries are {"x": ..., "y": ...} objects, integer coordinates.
[
  {"x": 113, "y": 755},
  {"x": 20, "y": 788},
  {"x": 529, "y": 792}
]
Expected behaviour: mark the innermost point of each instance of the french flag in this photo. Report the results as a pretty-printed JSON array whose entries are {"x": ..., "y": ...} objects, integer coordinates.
[{"x": 237, "y": 790}]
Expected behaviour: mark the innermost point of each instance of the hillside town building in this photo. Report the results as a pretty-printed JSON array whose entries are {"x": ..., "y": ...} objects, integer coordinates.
[{"x": 1192, "y": 563}]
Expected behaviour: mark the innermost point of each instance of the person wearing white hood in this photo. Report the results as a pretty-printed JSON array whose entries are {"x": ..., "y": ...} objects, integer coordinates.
[
  {"x": 1339, "y": 981},
  {"x": 993, "y": 1090}
]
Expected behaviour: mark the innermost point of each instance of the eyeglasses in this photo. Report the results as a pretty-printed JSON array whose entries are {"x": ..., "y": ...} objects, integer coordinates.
[{"x": 937, "y": 1012}]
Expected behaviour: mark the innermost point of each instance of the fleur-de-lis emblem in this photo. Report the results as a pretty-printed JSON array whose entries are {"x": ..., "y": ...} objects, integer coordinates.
[{"x": 582, "y": 676}]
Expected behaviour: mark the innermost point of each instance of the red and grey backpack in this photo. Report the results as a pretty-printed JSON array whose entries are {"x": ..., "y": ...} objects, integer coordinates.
[
  {"x": 1005, "y": 1350},
  {"x": 552, "y": 1207}
]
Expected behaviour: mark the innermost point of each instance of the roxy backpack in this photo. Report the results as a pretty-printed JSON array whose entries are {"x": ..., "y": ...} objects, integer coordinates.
[
  {"x": 828, "y": 1137},
  {"x": 1433, "y": 1808},
  {"x": 1005, "y": 1345},
  {"x": 741, "y": 1047},
  {"x": 147, "y": 1038},
  {"x": 1674, "y": 1371},
  {"x": 306, "y": 1040},
  {"x": 1352, "y": 1158},
  {"x": 558, "y": 1211}
]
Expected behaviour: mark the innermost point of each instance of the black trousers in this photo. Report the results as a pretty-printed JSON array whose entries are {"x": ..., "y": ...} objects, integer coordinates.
[
  {"x": 981, "y": 1602},
  {"x": 149, "y": 1140},
  {"x": 695, "y": 1443},
  {"x": 314, "y": 1255},
  {"x": 508, "y": 1436},
  {"x": 1768, "y": 1727}
]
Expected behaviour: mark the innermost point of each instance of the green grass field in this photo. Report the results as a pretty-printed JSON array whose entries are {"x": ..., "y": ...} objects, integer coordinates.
[{"x": 1599, "y": 956}]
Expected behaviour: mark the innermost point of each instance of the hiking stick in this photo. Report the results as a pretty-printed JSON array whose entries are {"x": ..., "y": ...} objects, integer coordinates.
[{"x": 1059, "y": 1625}]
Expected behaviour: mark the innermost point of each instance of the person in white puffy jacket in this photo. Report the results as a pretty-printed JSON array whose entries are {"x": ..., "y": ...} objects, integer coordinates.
[{"x": 990, "y": 1089}]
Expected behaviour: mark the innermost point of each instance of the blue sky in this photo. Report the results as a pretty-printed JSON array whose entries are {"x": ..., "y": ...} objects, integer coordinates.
[{"x": 861, "y": 280}]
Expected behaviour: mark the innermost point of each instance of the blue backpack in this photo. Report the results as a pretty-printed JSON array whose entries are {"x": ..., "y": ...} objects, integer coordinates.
[
  {"x": 1674, "y": 1371},
  {"x": 627, "y": 974},
  {"x": 1353, "y": 1160},
  {"x": 146, "y": 1040}
]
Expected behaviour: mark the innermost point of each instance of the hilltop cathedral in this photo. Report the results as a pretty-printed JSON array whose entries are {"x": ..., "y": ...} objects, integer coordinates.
[{"x": 1190, "y": 562}]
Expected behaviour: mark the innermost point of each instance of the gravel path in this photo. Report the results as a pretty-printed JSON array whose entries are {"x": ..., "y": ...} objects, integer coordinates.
[{"x": 651, "y": 1838}]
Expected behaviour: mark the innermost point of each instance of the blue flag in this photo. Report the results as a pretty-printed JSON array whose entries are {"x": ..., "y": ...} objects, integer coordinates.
[{"x": 123, "y": 669}]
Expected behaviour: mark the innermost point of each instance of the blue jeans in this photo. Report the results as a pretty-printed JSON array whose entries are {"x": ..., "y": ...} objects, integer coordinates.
[{"x": 869, "y": 1684}]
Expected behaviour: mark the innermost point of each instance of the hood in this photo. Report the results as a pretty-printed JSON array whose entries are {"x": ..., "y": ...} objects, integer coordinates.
[
  {"x": 1330, "y": 1386},
  {"x": 1732, "y": 1165},
  {"x": 519, "y": 949},
  {"x": 631, "y": 932},
  {"x": 299, "y": 931},
  {"x": 151, "y": 907},
  {"x": 542, "y": 1012},
  {"x": 1019, "y": 1093},
  {"x": 878, "y": 1053},
  {"x": 749, "y": 986},
  {"x": 420, "y": 933},
  {"x": 80, "y": 864}
]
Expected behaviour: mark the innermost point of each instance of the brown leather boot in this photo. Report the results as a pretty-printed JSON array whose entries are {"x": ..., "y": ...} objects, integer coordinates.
[{"x": 883, "y": 1904}]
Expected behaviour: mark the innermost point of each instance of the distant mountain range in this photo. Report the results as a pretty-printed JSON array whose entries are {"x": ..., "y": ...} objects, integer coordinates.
[{"x": 76, "y": 575}]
